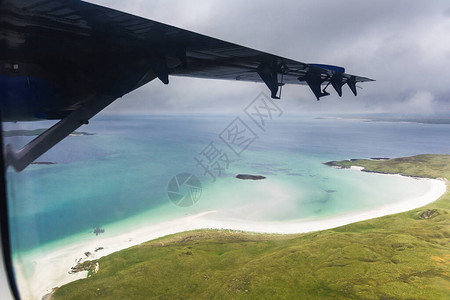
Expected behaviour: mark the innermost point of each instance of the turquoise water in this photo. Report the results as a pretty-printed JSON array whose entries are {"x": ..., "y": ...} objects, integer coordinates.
[{"x": 117, "y": 178}]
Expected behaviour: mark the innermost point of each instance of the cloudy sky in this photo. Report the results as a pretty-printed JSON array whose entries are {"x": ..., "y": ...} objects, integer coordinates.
[{"x": 403, "y": 44}]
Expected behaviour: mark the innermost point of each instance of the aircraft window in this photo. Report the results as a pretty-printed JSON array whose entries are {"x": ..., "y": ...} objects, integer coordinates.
[{"x": 101, "y": 159}]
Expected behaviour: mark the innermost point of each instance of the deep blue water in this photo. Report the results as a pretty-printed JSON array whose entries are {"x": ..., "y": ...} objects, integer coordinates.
[{"x": 124, "y": 168}]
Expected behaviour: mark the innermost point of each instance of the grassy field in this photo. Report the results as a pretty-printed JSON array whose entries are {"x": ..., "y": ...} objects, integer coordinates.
[{"x": 401, "y": 256}]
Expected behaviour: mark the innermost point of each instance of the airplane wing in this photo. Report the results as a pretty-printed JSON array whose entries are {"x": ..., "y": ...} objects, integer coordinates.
[
  {"x": 206, "y": 57},
  {"x": 68, "y": 59}
]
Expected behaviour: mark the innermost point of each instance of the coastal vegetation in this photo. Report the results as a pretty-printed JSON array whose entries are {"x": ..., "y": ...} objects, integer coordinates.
[{"x": 400, "y": 256}]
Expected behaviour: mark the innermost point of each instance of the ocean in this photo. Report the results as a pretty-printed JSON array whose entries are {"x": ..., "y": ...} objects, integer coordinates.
[{"x": 121, "y": 172}]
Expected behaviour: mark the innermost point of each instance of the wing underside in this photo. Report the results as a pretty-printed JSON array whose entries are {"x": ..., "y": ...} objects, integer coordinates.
[
  {"x": 169, "y": 50},
  {"x": 205, "y": 57}
]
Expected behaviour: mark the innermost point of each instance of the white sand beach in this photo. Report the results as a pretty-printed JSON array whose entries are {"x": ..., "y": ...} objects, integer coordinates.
[{"x": 51, "y": 269}]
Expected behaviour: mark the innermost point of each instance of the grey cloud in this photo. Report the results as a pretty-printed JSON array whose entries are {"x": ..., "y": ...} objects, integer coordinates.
[{"x": 447, "y": 12}]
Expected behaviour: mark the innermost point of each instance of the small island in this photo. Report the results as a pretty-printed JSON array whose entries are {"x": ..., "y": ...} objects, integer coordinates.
[{"x": 249, "y": 177}]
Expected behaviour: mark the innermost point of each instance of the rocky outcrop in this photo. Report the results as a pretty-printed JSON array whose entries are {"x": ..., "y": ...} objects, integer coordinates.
[{"x": 249, "y": 177}]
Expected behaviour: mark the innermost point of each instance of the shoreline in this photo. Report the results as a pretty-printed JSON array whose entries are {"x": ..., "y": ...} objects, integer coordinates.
[{"x": 45, "y": 278}]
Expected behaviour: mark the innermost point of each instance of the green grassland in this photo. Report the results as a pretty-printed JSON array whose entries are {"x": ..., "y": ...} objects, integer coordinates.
[{"x": 401, "y": 256}]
